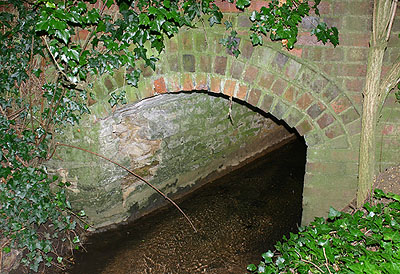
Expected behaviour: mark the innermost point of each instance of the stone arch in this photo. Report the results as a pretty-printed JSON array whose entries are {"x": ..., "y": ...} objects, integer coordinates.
[{"x": 275, "y": 81}]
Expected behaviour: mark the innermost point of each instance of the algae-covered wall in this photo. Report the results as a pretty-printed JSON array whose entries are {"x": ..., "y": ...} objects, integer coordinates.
[{"x": 174, "y": 141}]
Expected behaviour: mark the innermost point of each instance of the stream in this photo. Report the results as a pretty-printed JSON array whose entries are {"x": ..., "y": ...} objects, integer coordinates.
[{"x": 238, "y": 217}]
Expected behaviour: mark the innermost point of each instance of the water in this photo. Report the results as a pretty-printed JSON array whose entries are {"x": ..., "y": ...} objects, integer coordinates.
[{"x": 238, "y": 217}]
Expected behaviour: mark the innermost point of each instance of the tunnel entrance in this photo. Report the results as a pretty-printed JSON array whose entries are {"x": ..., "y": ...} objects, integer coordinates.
[{"x": 239, "y": 216}]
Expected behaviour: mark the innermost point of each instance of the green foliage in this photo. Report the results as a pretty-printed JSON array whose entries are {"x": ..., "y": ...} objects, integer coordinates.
[
  {"x": 49, "y": 52},
  {"x": 281, "y": 19},
  {"x": 367, "y": 241}
]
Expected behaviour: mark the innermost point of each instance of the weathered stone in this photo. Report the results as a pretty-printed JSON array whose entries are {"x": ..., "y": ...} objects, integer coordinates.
[{"x": 158, "y": 140}]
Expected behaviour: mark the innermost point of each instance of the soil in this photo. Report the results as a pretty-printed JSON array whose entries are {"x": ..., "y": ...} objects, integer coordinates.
[{"x": 387, "y": 181}]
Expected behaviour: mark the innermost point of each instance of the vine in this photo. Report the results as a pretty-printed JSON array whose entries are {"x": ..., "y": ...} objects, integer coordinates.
[{"x": 50, "y": 51}]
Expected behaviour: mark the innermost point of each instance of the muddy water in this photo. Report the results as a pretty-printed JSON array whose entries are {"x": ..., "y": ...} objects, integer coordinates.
[{"x": 238, "y": 217}]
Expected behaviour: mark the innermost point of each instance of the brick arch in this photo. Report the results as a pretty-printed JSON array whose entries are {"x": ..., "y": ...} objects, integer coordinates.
[{"x": 274, "y": 81}]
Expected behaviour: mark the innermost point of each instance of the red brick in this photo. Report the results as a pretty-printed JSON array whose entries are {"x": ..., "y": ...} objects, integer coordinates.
[
  {"x": 250, "y": 74},
  {"x": 215, "y": 84},
  {"x": 258, "y": 4},
  {"x": 242, "y": 91},
  {"x": 187, "y": 82},
  {"x": 305, "y": 38},
  {"x": 254, "y": 97},
  {"x": 220, "y": 65},
  {"x": 290, "y": 94},
  {"x": 266, "y": 80},
  {"x": 279, "y": 87},
  {"x": 356, "y": 84},
  {"x": 352, "y": 70},
  {"x": 205, "y": 63},
  {"x": 325, "y": 120},
  {"x": 159, "y": 85},
  {"x": 267, "y": 103},
  {"x": 357, "y": 54},
  {"x": 201, "y": 82},
  {"x": 340, "y": 104},
  {"x": 296, "y": 52},
  {"x": 334, "y": 131},
  {"x": 335, "y": 54},
  {"x": 325, "y": 7},
  {"x": 229, "y": 87},
  {"x": 173, "y": 83},
  {"x": 388, "y": 129},
  {"x": 225, "y": 6},
  {"x": 247, "y": 49},
  {"x": 315, "y": 110},
  {"x": 355, "y": 39},
  {"x": 304, "y": 101},
  {"x": 304, "y": 127}
]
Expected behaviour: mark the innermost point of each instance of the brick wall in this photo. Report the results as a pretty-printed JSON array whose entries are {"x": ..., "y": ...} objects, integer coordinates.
[{"x": 314, "y": 88}]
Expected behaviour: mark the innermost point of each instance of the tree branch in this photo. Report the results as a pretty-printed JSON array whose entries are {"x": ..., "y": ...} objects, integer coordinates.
[{"x": 391, "y": 79}]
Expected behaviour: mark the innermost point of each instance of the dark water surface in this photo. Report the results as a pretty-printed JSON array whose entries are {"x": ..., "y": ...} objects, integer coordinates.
[{"x": 238, "y": 217}]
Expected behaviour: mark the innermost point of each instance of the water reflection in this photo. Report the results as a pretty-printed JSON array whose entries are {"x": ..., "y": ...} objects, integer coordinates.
[{"x": 238, "y": 217}]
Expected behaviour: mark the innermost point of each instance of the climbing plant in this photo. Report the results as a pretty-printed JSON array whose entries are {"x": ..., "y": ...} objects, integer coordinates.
[
  {"x": 49, "y": 53},
  {"x": 364, "y": 242}
]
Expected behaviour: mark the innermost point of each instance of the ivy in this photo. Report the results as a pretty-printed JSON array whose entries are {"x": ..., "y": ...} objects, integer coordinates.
[
  {"x": 49, "y": 52},
  {"x": 367, "y": 241},
  {"x": 280, "y": 21}
]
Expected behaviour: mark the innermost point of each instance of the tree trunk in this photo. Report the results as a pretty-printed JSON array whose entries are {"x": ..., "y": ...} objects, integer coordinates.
[
  {"x": 366, "y": 168},
  {"x": 383, "y": 16}
]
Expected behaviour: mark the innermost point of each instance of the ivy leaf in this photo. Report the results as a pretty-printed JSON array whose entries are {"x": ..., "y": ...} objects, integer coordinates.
[
  {"x": 333, "y": 213},
  {"x": 241, "y": 4},
  {"x": 251, "y": 267},
  {"x": 63, "y": 35}
]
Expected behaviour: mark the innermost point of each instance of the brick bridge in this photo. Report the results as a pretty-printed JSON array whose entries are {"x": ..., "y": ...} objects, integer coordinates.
[{"x": 315, "y": 89}]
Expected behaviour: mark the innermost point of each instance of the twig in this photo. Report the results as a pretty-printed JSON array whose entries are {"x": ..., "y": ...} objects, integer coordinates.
[
  {"x": 55, "y": 61},
  {"x": 326, "y": 260},
  {"x": 393, "y": 13},
  {"x": 309, "y": 262},
  {"x": 134, "y": 174}
]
